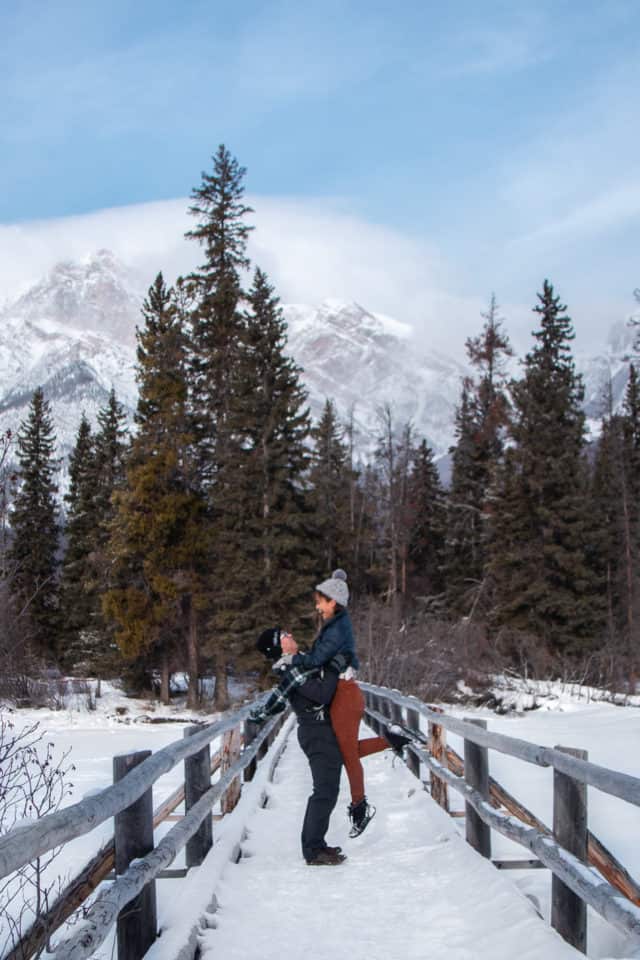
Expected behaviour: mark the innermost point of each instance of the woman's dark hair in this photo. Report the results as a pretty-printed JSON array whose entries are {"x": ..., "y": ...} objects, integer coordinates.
[{"x": 339, "y": 607}]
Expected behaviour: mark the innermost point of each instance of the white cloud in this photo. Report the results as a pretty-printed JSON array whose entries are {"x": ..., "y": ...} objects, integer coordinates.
[{"x": 311, "y": 249}]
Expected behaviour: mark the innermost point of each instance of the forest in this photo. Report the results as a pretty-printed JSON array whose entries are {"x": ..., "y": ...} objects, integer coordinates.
[{"x": 179, "y": 540}]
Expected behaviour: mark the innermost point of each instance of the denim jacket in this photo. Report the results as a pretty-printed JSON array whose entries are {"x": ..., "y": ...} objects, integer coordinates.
[{"x": 336, "y": 636}]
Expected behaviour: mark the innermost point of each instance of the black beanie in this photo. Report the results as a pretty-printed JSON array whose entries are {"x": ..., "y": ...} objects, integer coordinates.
[{"x": 269, "y": 643}]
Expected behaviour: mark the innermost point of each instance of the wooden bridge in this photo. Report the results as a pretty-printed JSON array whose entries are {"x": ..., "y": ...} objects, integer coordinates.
[{"x": 582, "y": 871}]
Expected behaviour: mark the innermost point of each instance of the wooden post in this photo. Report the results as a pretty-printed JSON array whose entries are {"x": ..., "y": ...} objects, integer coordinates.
[
  {"x": 438, "y": 750},
  {"x": 197, "y": 780},
  {"x": 230, "y": 753},
  {"x": 250, "y": 733},
  {"x": 396, "y": 712},
  {"x": 373, "y": 703},
  {"x": 413, "y": 722},
  {"x": 569, "y": 911},
  {"x": 385, "y": 710},
  {"x": 133, "y": 835},
  {"x": 476, "y": 774}
]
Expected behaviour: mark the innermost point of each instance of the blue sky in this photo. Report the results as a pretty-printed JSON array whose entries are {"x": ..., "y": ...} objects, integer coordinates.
[{"x": 498, "y": 139}]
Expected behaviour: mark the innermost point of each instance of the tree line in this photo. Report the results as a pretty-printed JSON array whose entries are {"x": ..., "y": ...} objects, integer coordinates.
[{"x": 211, "y": 520}]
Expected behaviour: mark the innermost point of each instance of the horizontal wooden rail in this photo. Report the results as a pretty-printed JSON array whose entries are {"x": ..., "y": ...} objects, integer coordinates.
[
  {"x": 616, "y": 784},
  {"x": 580, "y": 878},
  {"x": 103, "y": 912},
  {"x": 23, "y": 844},
  {"x": 599, "y": 857}
]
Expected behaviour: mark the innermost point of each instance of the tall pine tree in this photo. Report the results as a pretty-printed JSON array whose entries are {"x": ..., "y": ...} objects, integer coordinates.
[
  {"x": 543, "y": 581},
  {"x": 331, "y": 485},
  {"x": 78, "y": 589},
  {"x": 35, "y": 532},
  {"x": 156, "y": 552},
  {"x": 428, "y": 526},
  {"x": 481, "y": 421}
]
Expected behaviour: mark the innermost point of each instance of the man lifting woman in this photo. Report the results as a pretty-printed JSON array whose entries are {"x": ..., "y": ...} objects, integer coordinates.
[{"x": 321, "y": 687}]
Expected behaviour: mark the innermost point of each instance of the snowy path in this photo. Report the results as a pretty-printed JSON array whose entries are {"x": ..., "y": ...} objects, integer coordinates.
[{"x": 411, "y": 887}]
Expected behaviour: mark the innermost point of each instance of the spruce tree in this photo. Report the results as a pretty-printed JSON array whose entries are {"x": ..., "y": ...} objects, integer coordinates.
[
  {"x": 543, "y": 581},
  {"x": 35, "y": 532},
  {"x": 78, "y": 590},
  {"x": 217, "y": 293},
  {"x": 156, "y": 552},
  {"x": 481, "y": 422},
  {"x": 217, "y": 327},
  {"x": 270, "y": 534},
  {"x": 110, "y": 456},
  {"x": 616, "y": 490},
  {"x": 428, "y": 524},
  {"x": 464, "y": 530},
  {"x": 330, "y": 483}
]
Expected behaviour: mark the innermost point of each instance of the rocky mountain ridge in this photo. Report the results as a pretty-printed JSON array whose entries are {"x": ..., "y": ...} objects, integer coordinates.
[{"x": 73, "y": 333}]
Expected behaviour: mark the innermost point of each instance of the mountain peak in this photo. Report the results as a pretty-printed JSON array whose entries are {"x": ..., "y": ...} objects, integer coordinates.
[{"x": 97, "y": 293}]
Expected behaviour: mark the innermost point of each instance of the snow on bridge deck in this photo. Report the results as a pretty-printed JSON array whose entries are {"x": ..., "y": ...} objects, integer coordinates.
[{"x": 411, "y": 887}]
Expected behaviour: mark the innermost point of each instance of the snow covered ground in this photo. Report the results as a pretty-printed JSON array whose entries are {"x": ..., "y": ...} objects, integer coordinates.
[{"x": 411, "y": 886}]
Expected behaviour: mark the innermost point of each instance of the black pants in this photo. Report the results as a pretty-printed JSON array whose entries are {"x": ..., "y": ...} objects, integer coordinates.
[{"x": 320, "y": 746}]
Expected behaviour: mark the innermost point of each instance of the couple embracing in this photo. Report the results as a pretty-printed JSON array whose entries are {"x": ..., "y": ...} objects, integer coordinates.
[{"x": 321, "y": 687}]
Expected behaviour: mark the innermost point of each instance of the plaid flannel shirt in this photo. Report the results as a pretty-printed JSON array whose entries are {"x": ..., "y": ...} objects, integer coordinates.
[{"x": 293, "y": 678}]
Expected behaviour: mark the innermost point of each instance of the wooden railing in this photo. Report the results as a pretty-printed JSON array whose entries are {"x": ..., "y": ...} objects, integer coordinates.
[
  {"x": 130, "y": 899},
  {"x": 570, "y": 851}
]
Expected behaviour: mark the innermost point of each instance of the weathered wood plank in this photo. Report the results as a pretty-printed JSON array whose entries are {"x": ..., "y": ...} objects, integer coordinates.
[
  {"x": 231, "y": 744},
  {"x": 568, "y": 910},
  {"x": 413, "y": 723},
  {"x": 518, "y": 865},
  {"x": 437, "y": 749},
  {"x": 197, "y": 780},
  {"x": 476, "y": 771},
  {"x": 133, "y": 838}
]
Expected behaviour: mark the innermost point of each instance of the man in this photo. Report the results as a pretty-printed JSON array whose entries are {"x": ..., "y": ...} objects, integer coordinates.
[{"x": 309, "y": 691}]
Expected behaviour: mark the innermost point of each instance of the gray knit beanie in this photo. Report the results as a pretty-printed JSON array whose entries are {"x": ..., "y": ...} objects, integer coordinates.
[{"x": 335, "y": 588}]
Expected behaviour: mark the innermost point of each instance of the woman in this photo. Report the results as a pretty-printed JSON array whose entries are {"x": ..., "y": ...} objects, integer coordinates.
[{"x": 347, "y": 707}]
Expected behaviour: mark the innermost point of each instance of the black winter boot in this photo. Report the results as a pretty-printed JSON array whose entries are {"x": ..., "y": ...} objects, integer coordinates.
[
  {"x": 326, "y": 857},
  {"x": 397, "y": 740},
  {"x": 360, "y": 815}
]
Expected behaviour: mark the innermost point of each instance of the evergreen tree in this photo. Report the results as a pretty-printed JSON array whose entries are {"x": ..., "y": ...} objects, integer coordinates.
[
  {"x": 543, "y": 582},
  {"x": 110, "y": 458},
  {"x": 616, "y": 479},
  {"x": 34, "y": 523},
  {"x": 481, "y": 420},
  {"x": 217, "y": 293},
  {"x": 428, "y": 524},
  {"x": 331, "y": 487},
  {"x": 156, "y": 551},
  {"x": 464, "y": 533},
  {"x": 270, "y": 419},
  {"x": 78, "y": 590},
  {"x": 217, "y": 329}
]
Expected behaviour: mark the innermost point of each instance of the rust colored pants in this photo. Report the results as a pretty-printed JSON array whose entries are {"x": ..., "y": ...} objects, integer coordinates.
[{"x": 346, "y": 711}]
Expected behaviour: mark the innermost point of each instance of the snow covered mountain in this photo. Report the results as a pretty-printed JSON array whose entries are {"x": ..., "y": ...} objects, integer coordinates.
[
  {"x": 363, "y": 361},
  {"x": 73, "y": 334}
]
